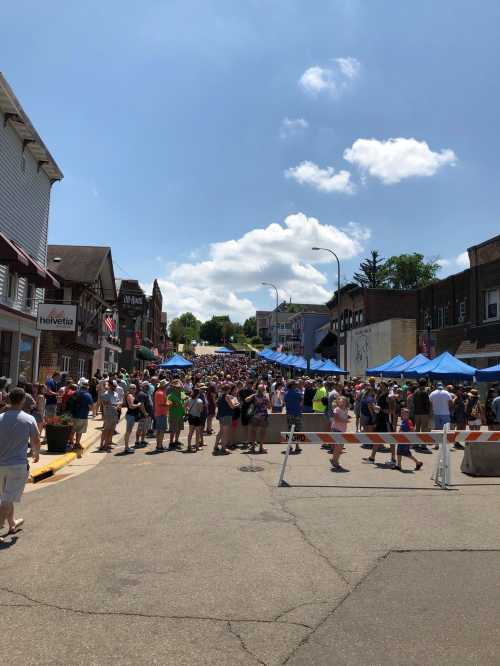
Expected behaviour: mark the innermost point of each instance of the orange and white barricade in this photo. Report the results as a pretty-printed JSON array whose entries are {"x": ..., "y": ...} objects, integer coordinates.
[{"x": 442, "y": 472}]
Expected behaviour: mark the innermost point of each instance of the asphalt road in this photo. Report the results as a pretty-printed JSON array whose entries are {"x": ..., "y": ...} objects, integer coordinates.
[{"x": 184, "y": 559}]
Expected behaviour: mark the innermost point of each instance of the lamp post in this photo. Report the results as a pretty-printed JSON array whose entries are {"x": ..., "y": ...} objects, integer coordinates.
[
  {"x": 269, "y": 284},
  {"x": 326, "y": 249}
]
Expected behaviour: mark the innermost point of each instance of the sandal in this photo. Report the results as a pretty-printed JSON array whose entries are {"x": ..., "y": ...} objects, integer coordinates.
[{"x": 17, "y": 524}]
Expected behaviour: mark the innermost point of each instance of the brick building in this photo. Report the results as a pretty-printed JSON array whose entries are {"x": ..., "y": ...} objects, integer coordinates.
[
  {"x": 370, "y": 326},
  {"x": 461, "y": 314}
]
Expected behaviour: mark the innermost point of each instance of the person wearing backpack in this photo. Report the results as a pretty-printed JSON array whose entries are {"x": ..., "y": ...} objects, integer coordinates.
[
  {"x": 473, "y": 410},
  {"x": 78, "y": 406}
]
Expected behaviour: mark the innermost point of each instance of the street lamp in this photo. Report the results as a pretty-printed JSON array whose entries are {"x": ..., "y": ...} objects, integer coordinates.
[
  {"x": 269, "y": 284},
  {"x": 326, "y": 249}
]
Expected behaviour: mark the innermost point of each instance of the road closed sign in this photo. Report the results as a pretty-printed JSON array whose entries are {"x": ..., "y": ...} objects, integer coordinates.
[{"x": 56, "y": 317}]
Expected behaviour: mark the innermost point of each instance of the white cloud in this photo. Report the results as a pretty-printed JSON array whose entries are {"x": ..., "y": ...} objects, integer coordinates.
[
  {"x": 395, "y": 159},
  {"x": 349, "y": 67},
  {"x": 462, "y": 261},
  {"x": 317, "y": 79},
  {"x": 290, "y": 126},
  {"x": 324, "y": 180},
  {"x": 279, "y": 253},
  {"x": 458, "y": 263}
]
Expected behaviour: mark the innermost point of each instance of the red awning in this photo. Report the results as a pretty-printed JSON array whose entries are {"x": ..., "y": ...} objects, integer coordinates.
[
  {"x": 12, "y": 256},
  {"x": 20, "y": 262}
]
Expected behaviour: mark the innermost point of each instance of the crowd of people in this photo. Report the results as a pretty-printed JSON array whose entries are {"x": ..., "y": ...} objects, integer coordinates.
[{"x": 237, "y": 394}]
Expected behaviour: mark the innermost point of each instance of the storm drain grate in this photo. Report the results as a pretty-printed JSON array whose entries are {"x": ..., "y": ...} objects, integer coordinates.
[{"x": 251, "y": 468}]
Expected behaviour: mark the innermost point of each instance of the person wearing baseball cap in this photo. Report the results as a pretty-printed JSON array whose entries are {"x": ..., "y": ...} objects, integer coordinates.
[{"x": 78, "y": 406}]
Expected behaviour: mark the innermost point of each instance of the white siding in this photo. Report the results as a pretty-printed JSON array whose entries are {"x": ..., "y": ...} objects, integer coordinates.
[{"x": 24, "y": 197}]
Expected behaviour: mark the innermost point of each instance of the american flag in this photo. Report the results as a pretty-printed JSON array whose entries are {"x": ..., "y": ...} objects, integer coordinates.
[{"x": 109, "y": 322}]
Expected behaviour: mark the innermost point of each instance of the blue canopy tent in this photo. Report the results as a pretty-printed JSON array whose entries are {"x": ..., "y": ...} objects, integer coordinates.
[
  {"x": 386, "y": 367},
  {"x": 176, "y": 362},
  {"x": 331, "y": 368},
  {"x": 275, "y": 356},
  {"x": 223, "y": 350},
  {"x": 286, "y": 360},
  {"x": 445, "y": 366},
  {"x": 265, "y": 353},
  {"x": 301, "y": 364},
  {"x": 491, "y": 374},
  {"x": 408, "y": 366}
]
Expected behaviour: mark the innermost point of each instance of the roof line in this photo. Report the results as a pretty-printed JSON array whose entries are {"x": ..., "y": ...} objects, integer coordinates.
[{"x": 9, "y": 93}]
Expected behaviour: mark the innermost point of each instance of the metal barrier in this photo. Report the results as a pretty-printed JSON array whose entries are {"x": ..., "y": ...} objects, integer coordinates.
[{"x": 442, "y": 471}]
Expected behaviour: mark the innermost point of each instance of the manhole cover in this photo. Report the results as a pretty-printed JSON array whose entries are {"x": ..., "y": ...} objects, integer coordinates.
[{"x": 251, "y": 468}]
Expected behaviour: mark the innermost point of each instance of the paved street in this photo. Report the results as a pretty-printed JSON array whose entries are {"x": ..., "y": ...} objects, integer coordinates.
[{"x": 185, "y": 559}]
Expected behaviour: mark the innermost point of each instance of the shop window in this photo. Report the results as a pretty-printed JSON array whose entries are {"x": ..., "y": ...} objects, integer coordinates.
[
  {"x": 462, "y": 311},
  {"x": 65, "y": 363},
  {"x": 26, "y": 357},
  {"x": 491, "y": 302},
  {"x": 30, "y": 295},
  {"x": 12, "y": 286},
  {"x": 5, "y": 353},
  {"x": 81, "y": 368}
]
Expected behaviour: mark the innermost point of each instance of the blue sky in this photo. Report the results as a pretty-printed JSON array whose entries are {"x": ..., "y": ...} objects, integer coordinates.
[{"x": 263, "y": 127}]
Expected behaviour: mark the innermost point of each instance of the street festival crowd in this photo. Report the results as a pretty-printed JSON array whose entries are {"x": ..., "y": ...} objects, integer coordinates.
[{"x": 215, "y": 396}]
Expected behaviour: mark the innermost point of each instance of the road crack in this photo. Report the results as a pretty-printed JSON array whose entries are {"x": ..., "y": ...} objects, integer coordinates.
[
  {"x": 162, "y": 616},
  {"x": 242, "y": 643}
]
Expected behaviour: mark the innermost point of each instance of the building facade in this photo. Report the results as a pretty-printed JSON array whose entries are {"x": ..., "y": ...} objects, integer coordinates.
[
  {"x": 27, "y": 173},
  {"x": 355, "y": 332},
  {"x": 86, "y": 281},
  {"x": 461, "y": 314},
  {"x": 274, "y": 327},
  {"x": 304, "y": 325}
]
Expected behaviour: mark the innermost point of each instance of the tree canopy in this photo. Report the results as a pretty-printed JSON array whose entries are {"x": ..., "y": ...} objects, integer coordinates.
[
  {"x": 184, "y": 328},
  {"x": 410, "y": 271},
  {"x": 372, "y": 272},
  {"x": 403, "y": 271}
]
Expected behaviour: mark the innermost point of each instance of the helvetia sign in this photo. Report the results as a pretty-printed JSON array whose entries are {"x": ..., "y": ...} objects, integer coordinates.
[{"x": 55, "y": 317}]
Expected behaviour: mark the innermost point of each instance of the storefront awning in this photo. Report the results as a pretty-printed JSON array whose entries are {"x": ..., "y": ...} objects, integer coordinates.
[
  {"x": 144, "y": 354},
  {"x": 20, "y": 262}
]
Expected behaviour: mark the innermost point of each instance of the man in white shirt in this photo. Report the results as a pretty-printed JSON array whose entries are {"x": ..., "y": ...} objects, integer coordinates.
[{"x": 441, "y": 402}]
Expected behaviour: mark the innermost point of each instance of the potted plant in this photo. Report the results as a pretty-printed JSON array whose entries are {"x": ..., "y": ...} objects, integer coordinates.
[{"x": 58, "y": 433}]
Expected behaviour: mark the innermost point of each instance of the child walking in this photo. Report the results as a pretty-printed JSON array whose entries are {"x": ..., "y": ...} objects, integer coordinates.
[{"x": 404, "y": 449}]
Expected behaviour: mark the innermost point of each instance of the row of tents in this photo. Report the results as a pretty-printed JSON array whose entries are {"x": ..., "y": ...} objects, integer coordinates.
[
  {"x": 300, "y": 363},
  {"x": 445, "y": 367}
]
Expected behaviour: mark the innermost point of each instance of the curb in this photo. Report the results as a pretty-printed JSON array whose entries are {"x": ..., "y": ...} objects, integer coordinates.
[{"x": 49, "y": 470}]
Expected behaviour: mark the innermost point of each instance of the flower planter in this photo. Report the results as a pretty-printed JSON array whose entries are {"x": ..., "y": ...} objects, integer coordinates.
[{"x": 57, "y": 437}]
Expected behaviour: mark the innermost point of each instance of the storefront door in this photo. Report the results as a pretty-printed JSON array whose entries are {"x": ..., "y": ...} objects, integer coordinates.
[{"x": 26, "y": 357}]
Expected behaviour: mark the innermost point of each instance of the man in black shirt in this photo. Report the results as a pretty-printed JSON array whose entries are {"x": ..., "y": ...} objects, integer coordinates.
[
  {"x": 245, "y": 393},
  {"x": 422, "y": 411},
  {"x": 308, "y": 397}
]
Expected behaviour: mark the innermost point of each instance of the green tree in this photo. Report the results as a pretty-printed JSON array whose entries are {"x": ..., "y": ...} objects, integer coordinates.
[
  {"x": 211, "y": 331},
  {"x": 250, "y": 327},
  {"x": 372, "y": 272},
  {"x": 184, "y": 328},
  {"x": 410, "y": 271}
]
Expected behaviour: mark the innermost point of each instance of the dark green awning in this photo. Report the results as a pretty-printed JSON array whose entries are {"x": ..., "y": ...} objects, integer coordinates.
[{"x": 144, "y": 354}]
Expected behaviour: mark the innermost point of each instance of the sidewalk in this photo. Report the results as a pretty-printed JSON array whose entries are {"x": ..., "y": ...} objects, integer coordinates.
[{"x": 49, "y": 463}]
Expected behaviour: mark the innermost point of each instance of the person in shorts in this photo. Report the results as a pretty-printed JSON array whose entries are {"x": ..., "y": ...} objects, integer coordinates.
[
  {"x": 177, "y": 398},
  {"x": 110, "y": 401},
  {"x": 294, "y": 402},
  {"x": 18, "y": 430},
  {"x": 161, "y": 407},
  {"x": 404, "y": 450},
  {"x": 79, "y": 405},
  {"x": 194, "y": 408}
]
